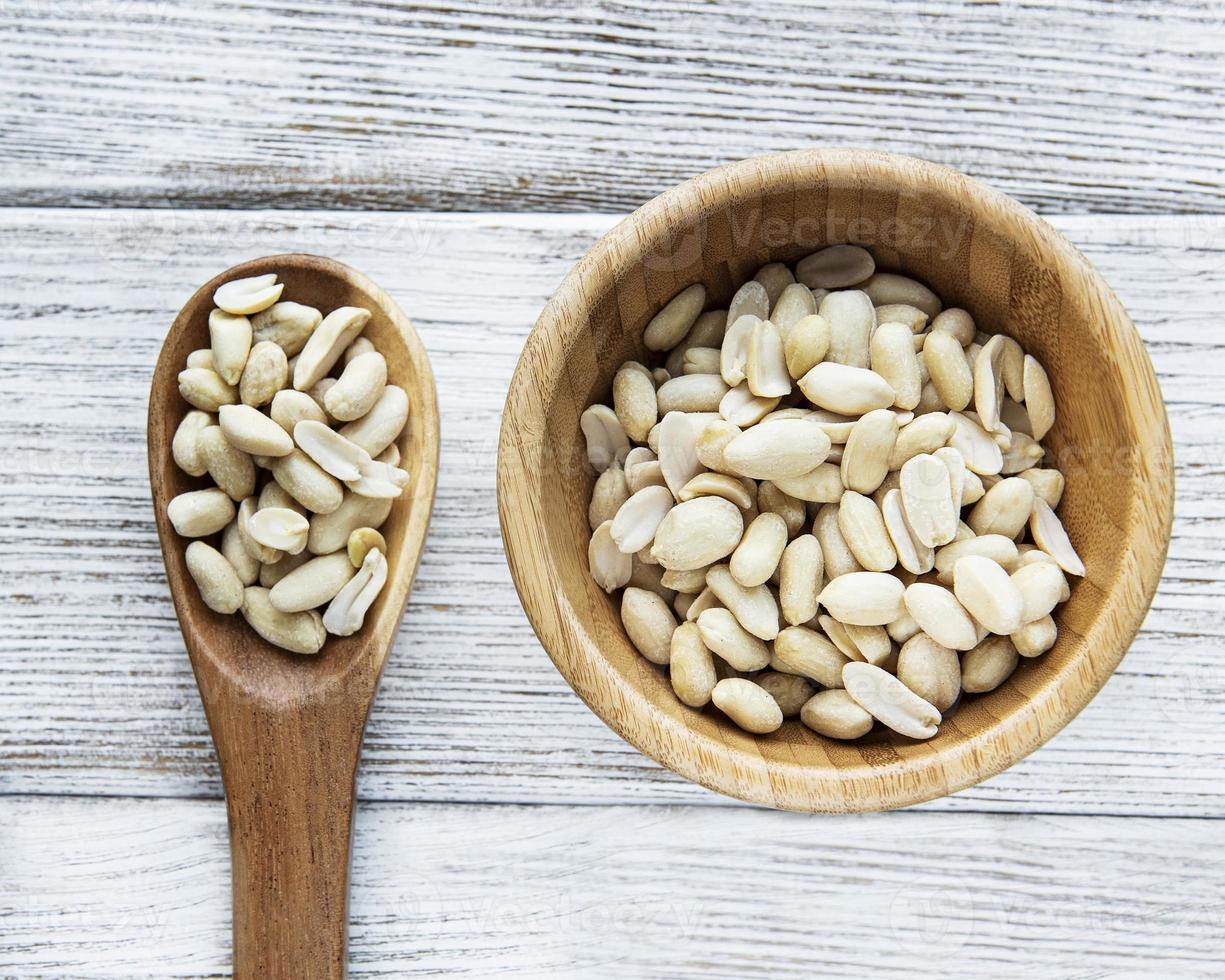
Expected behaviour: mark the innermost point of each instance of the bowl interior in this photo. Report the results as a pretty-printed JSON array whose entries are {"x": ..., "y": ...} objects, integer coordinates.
[
  {"x": 978, "y": 250},
  {"x": 233, "y": 646}
]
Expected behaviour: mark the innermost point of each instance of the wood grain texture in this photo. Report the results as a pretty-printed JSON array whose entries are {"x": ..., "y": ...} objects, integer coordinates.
[
  {"x": 613, "y": 892},
  {"x": 978, "y": 250},
  {"x": 1069, "y": 105},
  {"x": 99, "y": 696},
  {"x": 287, "y": 728}
]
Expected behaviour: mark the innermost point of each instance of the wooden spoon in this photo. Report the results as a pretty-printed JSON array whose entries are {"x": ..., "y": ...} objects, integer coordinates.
[{"x": 288, "y": 728}]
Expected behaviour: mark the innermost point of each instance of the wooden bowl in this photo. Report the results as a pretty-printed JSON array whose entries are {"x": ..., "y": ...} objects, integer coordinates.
[{"x": 979, "y": 250}]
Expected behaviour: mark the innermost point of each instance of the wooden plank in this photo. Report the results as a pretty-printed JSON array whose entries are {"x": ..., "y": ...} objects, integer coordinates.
[
  {"x": 634, "y": 891},
  {"x": 98, "y": 696},
  {"x": 1071, "y": 105}
]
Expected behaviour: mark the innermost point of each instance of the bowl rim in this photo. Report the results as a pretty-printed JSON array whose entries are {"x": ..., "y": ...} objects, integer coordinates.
[{"x": 746, "y": 774}]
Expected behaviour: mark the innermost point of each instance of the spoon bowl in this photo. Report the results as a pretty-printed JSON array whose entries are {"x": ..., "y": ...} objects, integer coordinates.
[{"x": 288, "y": 728}]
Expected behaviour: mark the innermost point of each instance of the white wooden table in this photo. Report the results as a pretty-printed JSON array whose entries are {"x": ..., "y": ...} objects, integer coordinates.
[{"x": 465, "y": 155}]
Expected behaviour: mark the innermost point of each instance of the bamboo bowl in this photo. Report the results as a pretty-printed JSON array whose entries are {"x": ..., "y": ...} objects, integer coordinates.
[{"x": 979, "y": 250}]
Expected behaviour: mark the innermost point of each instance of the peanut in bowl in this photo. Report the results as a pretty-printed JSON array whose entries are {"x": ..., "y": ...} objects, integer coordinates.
[{"x": 978, "y": 251}]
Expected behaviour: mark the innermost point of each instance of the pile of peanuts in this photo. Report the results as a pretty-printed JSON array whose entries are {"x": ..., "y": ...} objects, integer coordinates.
[
  {"x": 298, "y": 402},
  {"x": 829, "y": 501}
]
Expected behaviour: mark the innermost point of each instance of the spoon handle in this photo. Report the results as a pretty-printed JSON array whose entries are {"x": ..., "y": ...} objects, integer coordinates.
[{"x": 289, "y": 776}]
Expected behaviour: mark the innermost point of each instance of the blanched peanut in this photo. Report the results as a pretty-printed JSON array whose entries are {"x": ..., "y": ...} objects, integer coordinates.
[
  {"x": 691, "y": 668},
  {"x": 199, "y": 513},
  {"x": 957, "y": 323},
  {"x": 998, "y": 548},
  {"x": 288, "y": 325},
  {"x": 748, "y": 705},
  {"x": 772, "y": 500},
  {"x": 865, "y": 459},
  {"x": 610, "y": 492},
  {"x": 777, "y": 450},
  {"x": 803, "y": 651},
  {"x": 890, "y": 701},
  {"x": 845, "y": 389},
  {"x": 691, "y": 393},
  {"x": 670, "y": 325},
  {"x": 790, "y": 691},
  {"x": 312, "y": 584},
  {"x": 1047, "y": 484},
  {"x": 754, "y": 608},
  {"x": 893, "y": 358},
  {"x": 940, "y": 615},
  {"x": 988, "y": 665},
  {"x": 231, "y": 343},
  {"x": 759, "y": 551},
  {"x": 871, "y": 643},
  {"x": 988, "y": 594},
  {"x": 1041, "y": 586},
  {"x": 327, "y": 343},
  {"x": 609, "y": 565},
  {"x": 270, "y": 575},
  {"x": 186, "y": 447},
  {"x": 649, "y": 623},
  {"x": 800, "y": 571},
  {"x": 932, "y": 671},
  {"x": 262, "y": 553},
  {"x": 794, "y": 304},
  {"x": 822, "y": 485},
  {"x": 1049, "y": 535},
  {"x": 724, "y": 636},
  {"x": 834, "y": 549},
  {"x": 362, "y": 542},
  {"x": 300, "y": 632},
  {"x": 851, "y": 318},
  {"x": 382, "y": 425},
  {"x": 806, "y": 344},
  {"x": 205, "y": 389},
  {"x": 290, "y": 407},
  {"x": 890, "y": 288},
  {"x": 266, "y": 372},
  {"x": 330, "y": 532},
  {"x": 358, "y": 387},
  {"x": 250, "y": 295},
  {"x": 347, "y": 611},
  {"x": 863, "y": 530},
  {"x": 250, "y": 430},
  {"x": 274, "y": 495},
  {"x": 231, "y": 469},
  {"x": 914, "y": 318},
  {"x": 332, "y": 452},
  {"x": 835, "y": 267},
  {"x": 950, "y": 371},
  {"x": 280, "y": 528},
  {"x": 1034, "y": 639},
  {"x": 864, "y": 598},
  {"x": 244, "y": 565},
  {"x": 219, "y": 585},
  {"x": 835, "y": 714},
  {"x": 716, "y": 485},
  {"x": 927, "y": 499},
  {"x": 634, "y": 400},
  {"x": 925, "y": 434},
  {"x": 695, "y": 533},
  {"x": 303, "y": 479}
]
